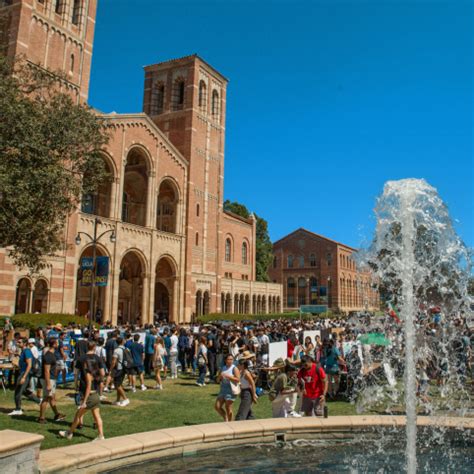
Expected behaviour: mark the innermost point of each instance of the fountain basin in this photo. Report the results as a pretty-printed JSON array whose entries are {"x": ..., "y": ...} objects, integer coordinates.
[{"x": 103, "y": 456}]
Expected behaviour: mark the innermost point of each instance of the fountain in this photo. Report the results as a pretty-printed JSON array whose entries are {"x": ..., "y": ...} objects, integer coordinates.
[{"x": 422, "y": 266}]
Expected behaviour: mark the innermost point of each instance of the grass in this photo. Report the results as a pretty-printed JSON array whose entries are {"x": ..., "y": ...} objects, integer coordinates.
[{"x": 181, "y": 403}]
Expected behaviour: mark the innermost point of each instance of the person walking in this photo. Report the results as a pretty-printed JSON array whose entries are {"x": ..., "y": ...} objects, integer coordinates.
[
  {"x": 25, "y": 365},
  {"x": 229, "y": 378},
  {"x": 118, "y": 373},
  {"x": 174, "y": 353},
  {"x": 248, "y": 394},
  {"x": 91, "y": 373},
  {"x": 149, "y": 350},
  {"x": 202, "y": 361},
  {"x": 314, "y": 385},
  {"x": 48, "y": 381},
  {"x": 138, "y": 353},
  {"x": 158, "y": 361}
]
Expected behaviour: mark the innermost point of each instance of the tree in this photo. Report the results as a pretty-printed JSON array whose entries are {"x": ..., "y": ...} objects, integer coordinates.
[
  {"x": 264, "y": 247},
  {"x": 47, "y": 144}
]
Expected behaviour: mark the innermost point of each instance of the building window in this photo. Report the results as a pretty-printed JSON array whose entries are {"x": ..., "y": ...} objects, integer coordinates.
[
  {"x": 301, "y": 261},
  {"x": 197, "y": 239},
  {"x": 329, "y": 259},
  {"x": 76, "y": 12},
  {"x": 302, "y": 300},
  {"x": 301, "y": 282},
  {"x": 290, "y": 261},
  {"x": 215, "y": 104},
  {"x": 228, "y": 250},
  {"x": 275, "y": 262},
  {"x": 290, "y": 283},
  {"x": 202, "y": 96},
  {"x": 157, "y": 99},
  {"x": 178, "y": 94},
  {"x": 244, "y": 253},
  {"x": 291, "y": 301},
  {"x": 197, "y": 210},
  {"x": 312, "y": 260},
  {"x": 72, "y": 63},
  {"x": 58, "y": 8}
]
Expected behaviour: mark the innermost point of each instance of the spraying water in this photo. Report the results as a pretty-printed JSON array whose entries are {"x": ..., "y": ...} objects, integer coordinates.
[{"x": 422, "y": 268}]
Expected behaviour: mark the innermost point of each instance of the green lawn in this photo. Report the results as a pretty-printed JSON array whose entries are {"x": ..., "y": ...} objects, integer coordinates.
[{"x": 181, "y": 403}]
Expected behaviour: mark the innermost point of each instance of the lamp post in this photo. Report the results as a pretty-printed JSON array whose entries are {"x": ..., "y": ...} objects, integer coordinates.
[
  {"x": 329, "y": 292},
  {"x": 94, "y": 239}
]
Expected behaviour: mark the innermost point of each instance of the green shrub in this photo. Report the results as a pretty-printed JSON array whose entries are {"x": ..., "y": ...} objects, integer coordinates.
[{"x": 33, "y": 321}]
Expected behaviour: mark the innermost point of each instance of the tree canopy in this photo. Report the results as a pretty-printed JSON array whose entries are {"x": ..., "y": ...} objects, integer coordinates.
[
  {"x": 264, "y": 247},
  {"x": 47, "y": 144}
]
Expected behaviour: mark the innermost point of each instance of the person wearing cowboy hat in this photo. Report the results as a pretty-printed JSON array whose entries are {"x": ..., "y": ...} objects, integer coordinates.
[
  {"x": 284, "y": 391},
  {"x": 250, "y": 356}
]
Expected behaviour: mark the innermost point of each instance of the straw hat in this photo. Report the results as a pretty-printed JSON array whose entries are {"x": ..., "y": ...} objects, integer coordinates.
[
  {"x": 279, "y": 363},
  {"x": 58, "y": 326},
  {"x": 246, "y": 355}
]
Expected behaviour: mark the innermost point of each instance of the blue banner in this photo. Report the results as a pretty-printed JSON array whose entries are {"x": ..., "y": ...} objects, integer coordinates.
[{"x": 101, "y": 271}]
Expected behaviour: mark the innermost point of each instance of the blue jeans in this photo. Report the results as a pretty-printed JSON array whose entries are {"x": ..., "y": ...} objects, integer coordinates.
[{"x": 202, "y": 374}]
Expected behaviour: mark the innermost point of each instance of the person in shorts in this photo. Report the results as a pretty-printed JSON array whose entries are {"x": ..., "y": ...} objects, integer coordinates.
[
  {"x": 314, "y": 385},
  {"x": 226, "y": 397},
  {"x": 117, "y": 371},
  {"x": 61, "y": 358},
  {"x": 91, "y": 370},
  {"x": 138, "y": 353}
]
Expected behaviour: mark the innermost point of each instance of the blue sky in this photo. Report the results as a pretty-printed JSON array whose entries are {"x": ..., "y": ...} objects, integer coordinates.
[{"x": 327, "y": 100}]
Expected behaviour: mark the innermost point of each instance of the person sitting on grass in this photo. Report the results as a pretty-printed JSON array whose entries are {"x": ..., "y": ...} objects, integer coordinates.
[
  {"x": 48, "y": 381},
  {"x": 91, "y": 373}
]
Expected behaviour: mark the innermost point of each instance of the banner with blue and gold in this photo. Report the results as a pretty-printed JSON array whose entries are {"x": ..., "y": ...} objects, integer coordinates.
[{"x": 101, "y": 271}]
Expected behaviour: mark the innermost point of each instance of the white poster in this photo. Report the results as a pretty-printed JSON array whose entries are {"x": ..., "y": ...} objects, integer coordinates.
[
  {"x": 142, "y": 336},
  {"x": 105, "y": 333},
  {"x": 312, "y": 335},
  {"x": 277, "y": 350}
]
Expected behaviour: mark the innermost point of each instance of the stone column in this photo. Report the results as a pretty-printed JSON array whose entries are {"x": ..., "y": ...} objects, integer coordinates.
[
  {"x": 144, "y": 299},
  {"x": 175, "y": 308},
  {"x": 150, "y": 196},
  {"x": 107, "y": 299}
]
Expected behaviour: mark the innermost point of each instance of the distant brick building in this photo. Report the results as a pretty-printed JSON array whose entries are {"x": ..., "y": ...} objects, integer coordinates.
[
  {"x": 177, "y": 252},
  {"x": 315, "y": 270}
]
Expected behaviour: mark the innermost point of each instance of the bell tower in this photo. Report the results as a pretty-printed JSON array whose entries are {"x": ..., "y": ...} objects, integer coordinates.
[
  {"x": 186, "y": 98},
  {"x": 54, "y": 34}
]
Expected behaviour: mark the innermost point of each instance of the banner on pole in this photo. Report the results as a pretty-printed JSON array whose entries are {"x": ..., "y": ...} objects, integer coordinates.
[{"x": 101, "y": 271}]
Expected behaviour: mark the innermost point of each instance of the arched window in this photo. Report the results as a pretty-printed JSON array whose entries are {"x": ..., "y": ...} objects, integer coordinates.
[
  {"x": 76, "y": 12},
  {"x": 312, "y": 260},
  {"x": 228, "y": 250},
  {"x": 178, "y": 94},
  {"x": 157, "y": 99},
  {"x": 197, "y": 239},
  {"x": 290, "y": 261},
  {"x": 301, "y": 261},
  {"x": 291, "y": 282},
  {"x": 301, "y": 282},
  {"x": 58, "y": 8},
  {"x": 202, "y": 96},
  {"x": 72, "y": 63},
  {"x": 197, "y": 210},
  {"x": 244, "y": 253},
  {"x": 215, "y": 104}
]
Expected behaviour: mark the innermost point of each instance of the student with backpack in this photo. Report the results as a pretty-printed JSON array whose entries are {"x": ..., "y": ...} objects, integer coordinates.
[
  {"x": 48, "y": 381},
  {"x": 91, "y": 371},
  {"x": 121, "y": 362}
]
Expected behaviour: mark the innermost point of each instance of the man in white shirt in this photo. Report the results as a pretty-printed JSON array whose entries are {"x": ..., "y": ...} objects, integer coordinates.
[{"x": 174, "y": 354}]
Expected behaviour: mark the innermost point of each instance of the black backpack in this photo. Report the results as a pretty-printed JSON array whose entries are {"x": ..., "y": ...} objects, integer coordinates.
[
  {"x": 127, "y": 360},
  {"x": 36, "y": 367}
]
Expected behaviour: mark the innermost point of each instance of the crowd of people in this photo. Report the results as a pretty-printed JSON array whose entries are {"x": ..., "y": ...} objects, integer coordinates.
[{"x": 318, "y": 367}]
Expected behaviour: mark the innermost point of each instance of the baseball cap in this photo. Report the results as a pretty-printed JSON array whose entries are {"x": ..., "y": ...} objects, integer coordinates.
[{"x": 31, "y": 340}]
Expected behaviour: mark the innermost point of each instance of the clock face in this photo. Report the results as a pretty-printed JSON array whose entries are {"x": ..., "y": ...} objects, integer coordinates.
[{"x": 301, "y": 244}]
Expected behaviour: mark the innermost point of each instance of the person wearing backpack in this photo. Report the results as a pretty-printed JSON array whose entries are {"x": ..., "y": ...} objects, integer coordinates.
[
  {"x": 25, "y": 365},
  {"x": 118, "y": 371},
  {"x": 91, "y": 371},
  {"x": 48, "y": 381}
]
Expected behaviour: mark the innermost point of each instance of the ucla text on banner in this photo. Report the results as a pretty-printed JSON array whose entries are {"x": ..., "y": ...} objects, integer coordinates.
[{"x": 101, "y": 271}]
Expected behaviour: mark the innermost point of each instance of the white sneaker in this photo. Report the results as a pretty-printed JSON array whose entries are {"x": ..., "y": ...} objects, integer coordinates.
[
  {"x": 66, "y": 434},
  {"x": 144, "y": 387},
  {"x": 293, "y": 414},
  {"x": 99, "y": 438},
  {"x": 107, "y": 390},
  {"x": 125, "y": 402},
  {"x": 117, "y": 403},
  {"x": 16, "y": 413},
  {"x": 103, "y": 398},
  {"x": 199, "y": 384},
  {"x": 134, "y": 389}
]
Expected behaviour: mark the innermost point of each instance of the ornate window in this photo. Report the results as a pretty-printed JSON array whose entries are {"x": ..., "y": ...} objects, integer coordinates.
[
  {"x": 202, "y": 96},
  {"x": 290, "y": 261},
  {"x": 244, "y": 253},
  {"x": 301, "y": 282},
  {"x": 312, "y": 260},
  {"x": 290, "y": 283},
  {"x": 301, "y": 261},
  {"x": 228, "y": 250},
  {"x": 215, "y": 104},
  {"x": 76, "y": 12}
]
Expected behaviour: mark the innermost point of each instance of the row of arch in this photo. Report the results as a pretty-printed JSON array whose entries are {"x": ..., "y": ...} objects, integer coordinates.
[
  {"x": 229, "y": 251},
  {"x": 178, "y": 98},
  {"x": 244, "y": 304},
  {"x": 356, "y": 293},
  {"x": 31, "y": 297},
  {"x": 135, "y": 199}
]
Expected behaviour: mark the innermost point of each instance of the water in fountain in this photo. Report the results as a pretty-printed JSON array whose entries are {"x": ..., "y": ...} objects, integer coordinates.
[{"x": 422, "y": 267}]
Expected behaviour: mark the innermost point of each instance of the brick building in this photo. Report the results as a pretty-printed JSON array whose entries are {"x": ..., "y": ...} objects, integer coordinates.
[
  {"x": 315, "y": 270},
  {"x": 176, "y": 251}
]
